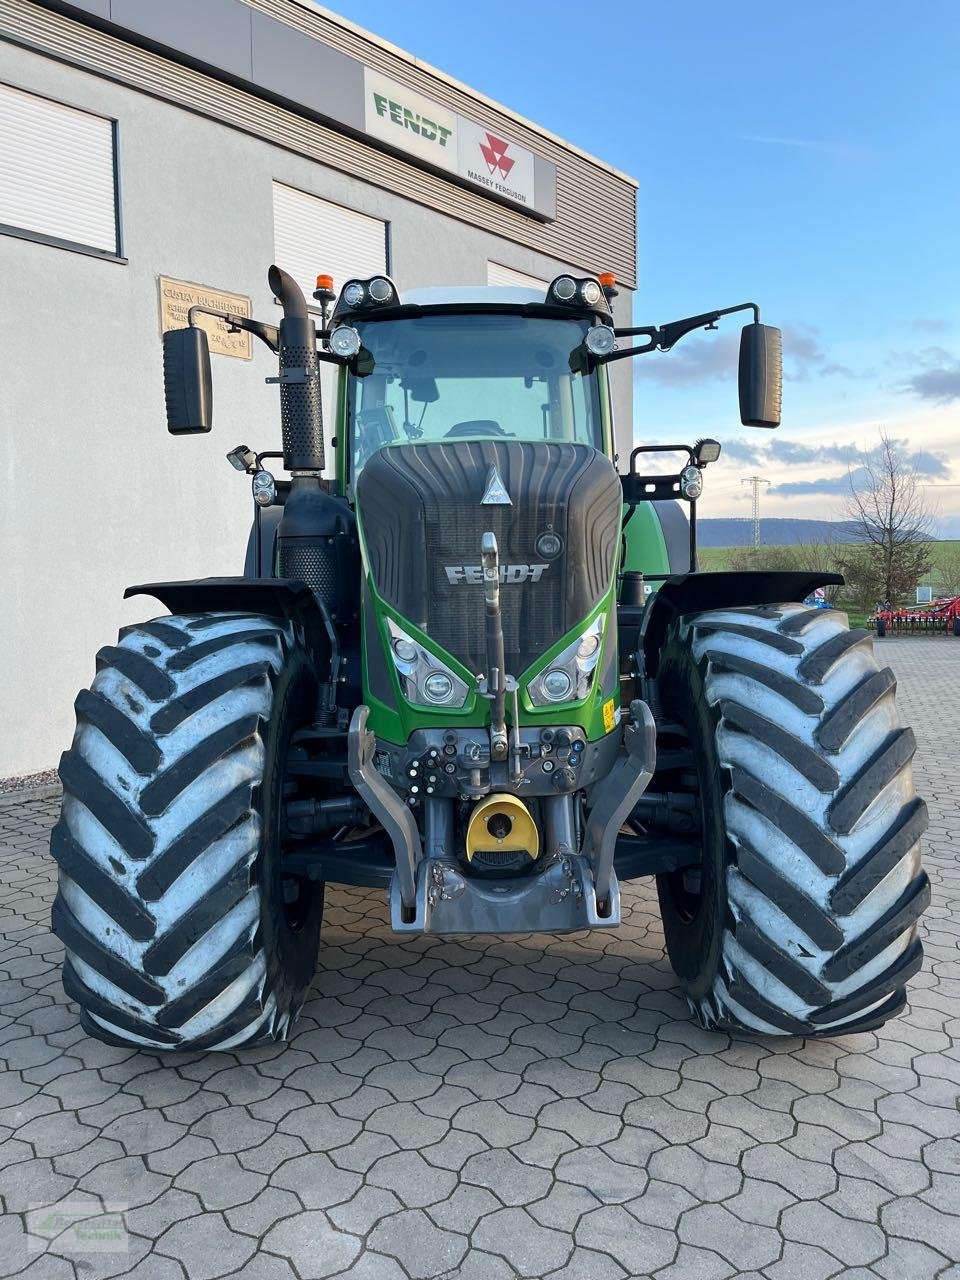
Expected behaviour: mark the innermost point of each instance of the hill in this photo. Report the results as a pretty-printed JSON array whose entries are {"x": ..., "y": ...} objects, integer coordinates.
[{"x": 774, "y": 532}]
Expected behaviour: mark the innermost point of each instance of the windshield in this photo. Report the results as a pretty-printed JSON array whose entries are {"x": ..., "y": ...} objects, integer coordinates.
[{"x": 457, "y": 377}]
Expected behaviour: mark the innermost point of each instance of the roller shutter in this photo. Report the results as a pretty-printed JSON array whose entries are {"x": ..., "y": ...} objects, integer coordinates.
[{"x": 57, "y": 174}]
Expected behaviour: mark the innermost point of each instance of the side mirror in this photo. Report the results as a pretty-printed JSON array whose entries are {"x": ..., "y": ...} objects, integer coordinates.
[
  {"x": 761, "y": 375},
  {"x": 187, "y": 384}
]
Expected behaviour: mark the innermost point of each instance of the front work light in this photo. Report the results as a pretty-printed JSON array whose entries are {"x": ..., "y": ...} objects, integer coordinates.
[
  {"x": 345, "y": 342},
  {"x": 381, "y": 290},
  {"x": 354, "y": 293},
  {"x": 705, "y": 451},
  {"x": 591, "y": 292},
  {"x": 600, "y": 340},
  {"x": 564, "y": 289}
]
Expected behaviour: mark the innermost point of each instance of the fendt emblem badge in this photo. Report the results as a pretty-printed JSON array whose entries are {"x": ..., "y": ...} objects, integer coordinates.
[{"x": 495, "y": 494}]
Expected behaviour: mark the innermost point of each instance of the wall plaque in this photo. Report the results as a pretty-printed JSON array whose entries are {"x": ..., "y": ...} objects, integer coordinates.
[{"x": 178, "y": 296}]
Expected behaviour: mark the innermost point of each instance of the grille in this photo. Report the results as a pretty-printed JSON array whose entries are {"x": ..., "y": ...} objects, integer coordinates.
[
  {"x": 534, "y": 613},
  {"x": 421, "y": 513}
]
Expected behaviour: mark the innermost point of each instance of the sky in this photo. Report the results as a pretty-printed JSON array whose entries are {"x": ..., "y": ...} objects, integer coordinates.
[{"x": 803, "y": 156}]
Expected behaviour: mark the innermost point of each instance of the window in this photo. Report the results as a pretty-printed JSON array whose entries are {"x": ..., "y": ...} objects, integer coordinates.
[
  {"x": 499, "y": 274},
  {"x": 57, "y": 174},
  {"x": 312, "y": 237},
  {"x": 459, "y": 377}
]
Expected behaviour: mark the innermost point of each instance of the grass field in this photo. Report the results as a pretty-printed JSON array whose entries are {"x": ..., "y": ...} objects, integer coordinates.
[{"x": 944, "y": 577}]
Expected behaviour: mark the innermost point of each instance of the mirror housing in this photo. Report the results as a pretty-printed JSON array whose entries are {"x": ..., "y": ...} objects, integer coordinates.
[
  {"x": 187, "y": 383},
  {"x": 761, "y": 375}
]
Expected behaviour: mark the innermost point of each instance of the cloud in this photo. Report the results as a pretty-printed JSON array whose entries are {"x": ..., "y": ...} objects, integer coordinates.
[
  {"x": 837, "y": 371},
  {"x": 931, "y": 324},
  {"x": 741, "y": 451},
  {"x": 828, "y": 485},
  {"x": 939, "y": 384},
  {"x": 693, "y": 360},
  {"x": 822, "y": 146}
]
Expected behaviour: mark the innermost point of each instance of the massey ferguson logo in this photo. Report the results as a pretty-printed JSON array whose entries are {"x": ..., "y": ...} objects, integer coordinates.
[
  {"x": 495, "y": 154},
  {"x": 473, "y": 573}
]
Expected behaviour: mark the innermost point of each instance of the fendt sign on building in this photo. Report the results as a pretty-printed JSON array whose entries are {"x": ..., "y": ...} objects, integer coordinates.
[{"x": 407, "y": 121}]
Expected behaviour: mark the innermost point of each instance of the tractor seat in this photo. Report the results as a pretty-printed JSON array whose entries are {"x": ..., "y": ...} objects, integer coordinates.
[{"x": 476, "y": 427}]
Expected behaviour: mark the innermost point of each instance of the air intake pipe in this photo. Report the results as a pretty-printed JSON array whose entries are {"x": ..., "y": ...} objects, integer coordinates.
[{"x": 301, "y": 416}]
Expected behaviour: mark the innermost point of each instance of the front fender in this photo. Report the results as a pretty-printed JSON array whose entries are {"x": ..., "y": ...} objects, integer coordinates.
[
  {"x": 270, "y": 597},
  {"x": 694, "y": 592}
]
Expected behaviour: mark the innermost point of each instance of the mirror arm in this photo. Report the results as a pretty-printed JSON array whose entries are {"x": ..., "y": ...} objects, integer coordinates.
[
  {"x": 267, "y": 333},
  {"x": 665, "y": 336}
]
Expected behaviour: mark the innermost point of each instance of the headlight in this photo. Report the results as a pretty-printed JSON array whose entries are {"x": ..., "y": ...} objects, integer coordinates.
[
  {"x": 600, "y": 340},
  {"x": 424, "y": 679},
  {"x": 345, "y": 342},
  {"x": 264, "y": 489},
  {"x": 556, "y": 684},
  {"x": 570, "y": 675},
  {"x": 691, "y": 482},
  {"x": 380, "y": 289},
  {"x": 405, "y": 650},
  {"x": 354, "y": 293},
  {"x": 438, "y": 686},
  {"x": 591, "y": 292}
]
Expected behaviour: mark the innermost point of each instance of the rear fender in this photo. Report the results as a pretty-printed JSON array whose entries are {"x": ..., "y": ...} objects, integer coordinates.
[{"x": 694, "y": 592}]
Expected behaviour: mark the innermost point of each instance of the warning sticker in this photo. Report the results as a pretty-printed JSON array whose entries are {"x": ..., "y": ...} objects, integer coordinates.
[{"x": 609, "y": 716}]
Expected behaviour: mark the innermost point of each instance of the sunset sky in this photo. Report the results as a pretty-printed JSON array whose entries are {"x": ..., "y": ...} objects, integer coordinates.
[{"x": 803, "y": 156}]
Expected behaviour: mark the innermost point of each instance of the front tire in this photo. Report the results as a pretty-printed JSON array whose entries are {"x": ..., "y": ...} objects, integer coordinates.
[
  {"x": 181, "y": 929},
  {"x": 802, "y": 919}
]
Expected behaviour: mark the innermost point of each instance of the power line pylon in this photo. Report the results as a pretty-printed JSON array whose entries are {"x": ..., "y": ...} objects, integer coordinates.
[{"x": 756, "y": 482}]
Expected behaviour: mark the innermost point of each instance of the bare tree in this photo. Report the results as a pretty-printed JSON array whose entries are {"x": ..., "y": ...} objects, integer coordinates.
[{"x": 890, "y": 521}]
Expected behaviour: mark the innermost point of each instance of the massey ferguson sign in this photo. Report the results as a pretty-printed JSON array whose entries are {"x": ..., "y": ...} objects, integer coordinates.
[{"x": 409, "y": 122}]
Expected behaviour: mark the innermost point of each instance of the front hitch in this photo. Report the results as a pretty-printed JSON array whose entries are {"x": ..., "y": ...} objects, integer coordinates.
[{"x": 496, "y": 688}]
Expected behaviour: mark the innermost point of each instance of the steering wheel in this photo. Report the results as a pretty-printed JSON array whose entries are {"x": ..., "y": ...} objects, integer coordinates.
[{"x": 476, "y": 427}]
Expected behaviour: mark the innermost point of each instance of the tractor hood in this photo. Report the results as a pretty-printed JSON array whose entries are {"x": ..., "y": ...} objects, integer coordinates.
[{"x": 554, "y": 507}]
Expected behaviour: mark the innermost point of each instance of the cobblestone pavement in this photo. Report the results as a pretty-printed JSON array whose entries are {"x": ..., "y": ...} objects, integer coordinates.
[{"x": 487, "y": 1109}]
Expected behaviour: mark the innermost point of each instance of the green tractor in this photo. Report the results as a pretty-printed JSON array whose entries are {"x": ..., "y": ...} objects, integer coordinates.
[{"x": 480, "y": 671}]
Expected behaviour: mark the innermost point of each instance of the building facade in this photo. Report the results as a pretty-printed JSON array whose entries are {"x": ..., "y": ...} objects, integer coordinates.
[{"x": 156, "y": 155}]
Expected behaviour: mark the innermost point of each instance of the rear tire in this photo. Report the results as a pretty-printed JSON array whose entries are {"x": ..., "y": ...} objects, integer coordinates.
[
  {"x": 804, "y": 918},
  {"x": 180, "y": 928}
]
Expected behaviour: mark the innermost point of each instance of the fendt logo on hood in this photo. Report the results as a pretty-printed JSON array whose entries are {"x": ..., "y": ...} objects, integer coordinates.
[
  {"x": 495, "y": 154},
  {"x": 473, "y": 573}
]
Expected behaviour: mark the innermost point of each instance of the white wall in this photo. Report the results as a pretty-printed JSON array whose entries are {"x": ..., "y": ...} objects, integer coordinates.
[{"x": 95, "y": 493}]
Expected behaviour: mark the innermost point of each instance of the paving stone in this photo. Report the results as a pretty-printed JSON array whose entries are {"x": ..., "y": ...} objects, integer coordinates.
[
  {"x": 805, "y": 1262},
  {"x": 853, "y": 1242},
  {"x": 316, "y": 1180},
  {"x": 360, "y": 1214},
  {"x": 497, "y": 1126},
  {"x": 637, "y": 1246},
  {"x": 410, "y": 1177},
  {"x": 423, "y": 1249},
  {"x": 206, "y": 1247},
  {"x": 463, "y": 1208},
  {"x": 746, "y": 1245},
  {"x": 531, "y": 1249},
  {"x": 915, "y": 1220},
  {"x": 313, "y": 1245},
  {"x": 697, "y": 1264},
  {"x": 586, "y": 1264},
  {"x": 563, "y": 1206},
  {"x": 608, "y": 1179},
  {"x": 513, "y": 1181}
]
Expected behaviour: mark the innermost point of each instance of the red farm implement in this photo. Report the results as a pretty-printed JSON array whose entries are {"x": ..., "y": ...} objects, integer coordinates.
[{"x": 940, "y": 618}]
